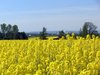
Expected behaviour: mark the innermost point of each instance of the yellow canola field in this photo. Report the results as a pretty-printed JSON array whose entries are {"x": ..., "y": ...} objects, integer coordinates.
[{"x": 50, "y": 57}]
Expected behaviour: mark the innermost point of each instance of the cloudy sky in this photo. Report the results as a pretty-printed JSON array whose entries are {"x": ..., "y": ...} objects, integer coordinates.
[{"x": 32, "y": 15}]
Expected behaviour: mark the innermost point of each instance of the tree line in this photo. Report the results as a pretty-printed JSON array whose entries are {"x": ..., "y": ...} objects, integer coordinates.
[
  {"x": 88, "y": 28},
  {"x": 8, "y": 32}
]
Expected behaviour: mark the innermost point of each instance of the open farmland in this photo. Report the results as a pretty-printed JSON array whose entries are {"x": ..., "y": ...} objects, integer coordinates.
[{"x": 50, "y": 57}]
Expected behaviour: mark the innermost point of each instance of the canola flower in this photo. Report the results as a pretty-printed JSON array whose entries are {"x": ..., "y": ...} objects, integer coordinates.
[{"x": 50, "y": 57}]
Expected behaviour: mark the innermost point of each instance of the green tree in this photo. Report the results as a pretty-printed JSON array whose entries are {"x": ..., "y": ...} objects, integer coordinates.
[
  {"x": 15, "y": 31},
  {"x": 1, "y": 36},
  {"x": 3, "y": 30},
  {"x": 88, "y": 28},
  {"x": 9, "y": 34},
  {"x": 85, "y": 30},
  {"x": 43, "y": 34},
  {"x": 61, "y": 34},
  {"x": 9, "y": 28}
]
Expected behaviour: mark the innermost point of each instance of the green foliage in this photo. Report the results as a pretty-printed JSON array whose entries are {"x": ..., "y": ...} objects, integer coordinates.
[
  {"x": 43, "y": 34},
  {"x": 11, "y": 32},
  {"x": 88, "y": 28},
  {"x": 61, "y": 34},
  {"x": 15, "y": 29}
]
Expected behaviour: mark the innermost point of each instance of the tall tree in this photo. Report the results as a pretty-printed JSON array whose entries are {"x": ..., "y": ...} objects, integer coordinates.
[
  {"x": 15, "y": 31},
  {"x": 84, "y": 30},
  {"x": 3, "y": 30},
  {"x": 61, "y": 34},
  {"x": 88, "y": 28},
  {"x": 43, "y": 34},
  {"x": 9, "y": 34},
  {"x": 9, "y": 28}
]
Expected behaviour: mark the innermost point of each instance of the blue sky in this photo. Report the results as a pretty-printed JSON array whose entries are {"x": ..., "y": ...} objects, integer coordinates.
[{"x": 32, "y": 15}]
